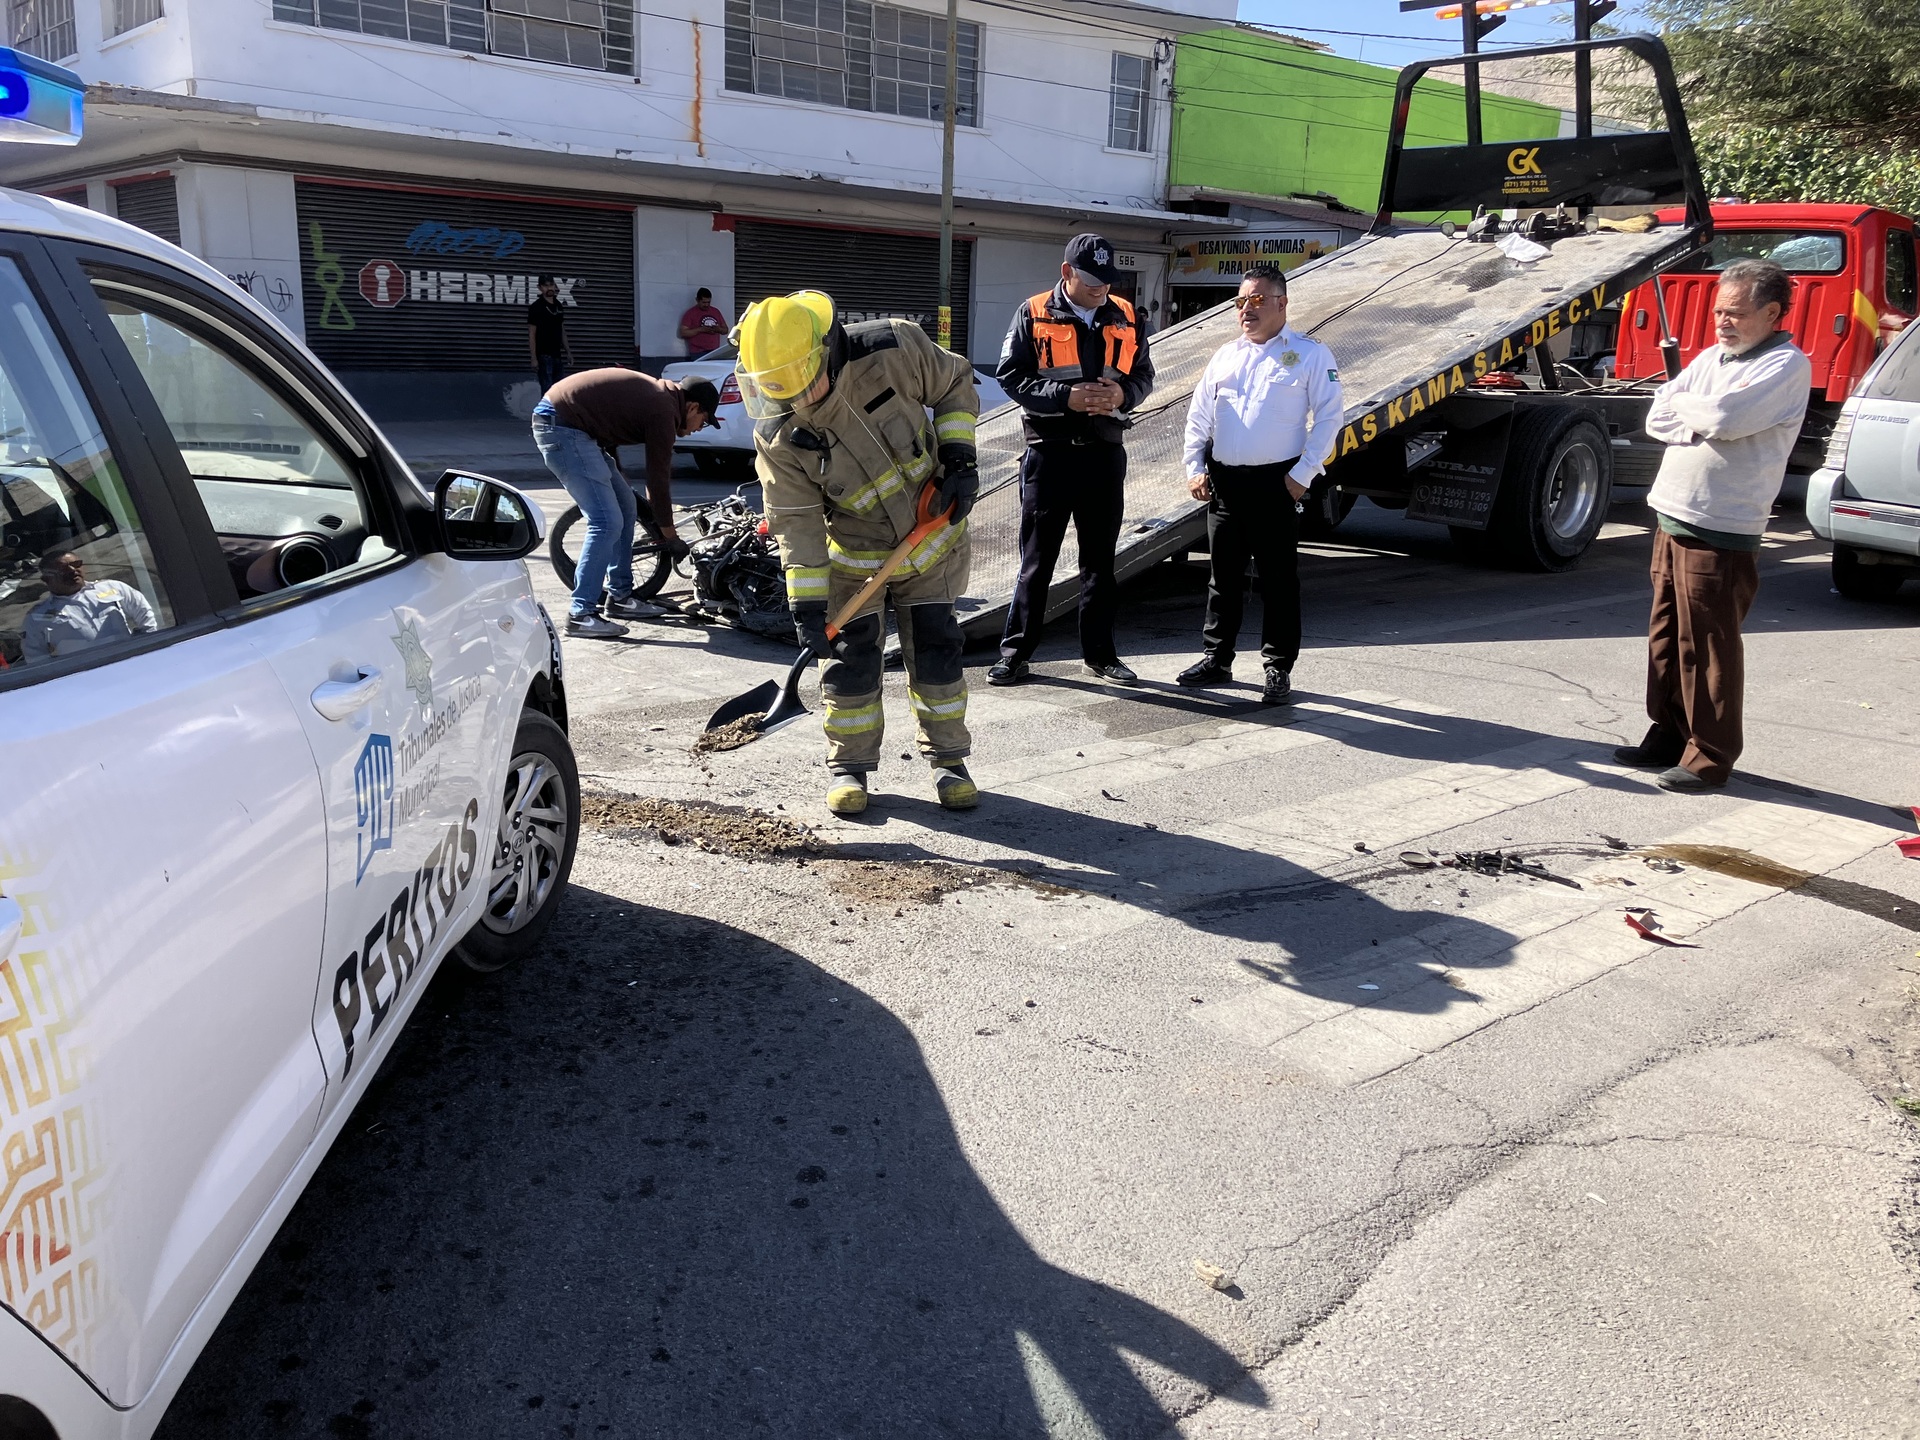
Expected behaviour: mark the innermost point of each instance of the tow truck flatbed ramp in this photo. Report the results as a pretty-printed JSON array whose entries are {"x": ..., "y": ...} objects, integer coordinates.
[{"x": 1411, "y": 317}]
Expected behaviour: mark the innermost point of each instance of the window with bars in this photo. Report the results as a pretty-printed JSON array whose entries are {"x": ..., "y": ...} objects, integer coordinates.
[
  {"x": 42, "y": 27},
  {"x": 132, "y": 14},
  {"x": 852, "y": 54},
  {"x": 1130, "y": 104},
  {"x": 584, "y": 34}
]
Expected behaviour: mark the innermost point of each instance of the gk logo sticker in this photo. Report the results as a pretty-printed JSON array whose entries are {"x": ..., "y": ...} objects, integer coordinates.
[{"x": 1523, "y": 160}]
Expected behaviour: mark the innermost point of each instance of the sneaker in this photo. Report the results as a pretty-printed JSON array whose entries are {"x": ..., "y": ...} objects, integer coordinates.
[
  {"x": 1659, "y": 751},
  {"x": 1208, "y": 671},
  {"x": 847, "y": 794},
  {"x": 630, "y": 607},
  {"x": 1118, "y": 673},
  {"x": 1685, "y": 782},
  {"x": 1009, "y": 672},
  {"x": 592, "y": 627},
  {"x": 955, "y": 788},
  {"x": 1278, "y": 687}
]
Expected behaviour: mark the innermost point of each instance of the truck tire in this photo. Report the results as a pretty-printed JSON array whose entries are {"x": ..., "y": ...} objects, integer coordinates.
[
  {"x": 1327, "y": 506},
  {"x": 531, "y": 854},
  {"x": 1866, "y": 582},
  {"x": 1554, "y": 494}
]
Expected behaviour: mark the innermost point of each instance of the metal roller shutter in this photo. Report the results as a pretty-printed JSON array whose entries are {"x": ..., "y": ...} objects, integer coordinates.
[
  {"x": 437, "y": 281},
  {"x": 151, "y": 204},
  {"x": 867, "y": 275}
]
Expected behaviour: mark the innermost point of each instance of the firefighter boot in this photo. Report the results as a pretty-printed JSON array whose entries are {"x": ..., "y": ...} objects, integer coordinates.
[
  {"x": 847, "y": 794},
  {"x": 954, "y": 787}
]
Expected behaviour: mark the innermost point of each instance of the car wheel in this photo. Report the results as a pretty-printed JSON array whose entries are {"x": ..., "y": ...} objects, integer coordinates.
[
  {"x": 532, "y": 853},
  {"x": 650, "y": 563},
  {"x": 1865, "y": 582},
  {"x": 1554, "y": 496}
]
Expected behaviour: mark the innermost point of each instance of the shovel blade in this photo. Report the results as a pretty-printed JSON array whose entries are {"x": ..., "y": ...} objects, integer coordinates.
[
  {"x": 778, "y": 703},
  {"x": 756, "y": 701}
]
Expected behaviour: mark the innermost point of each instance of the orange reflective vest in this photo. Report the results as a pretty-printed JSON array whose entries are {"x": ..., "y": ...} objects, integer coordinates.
[{"x": 1056, "y": 343}]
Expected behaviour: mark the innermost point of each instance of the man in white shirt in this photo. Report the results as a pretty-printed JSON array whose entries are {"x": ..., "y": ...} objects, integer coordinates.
[
  {"x": 1261, "y": 426},
  {"x": 76, "y": 614},
  {"x": 1729, "y": 423}
]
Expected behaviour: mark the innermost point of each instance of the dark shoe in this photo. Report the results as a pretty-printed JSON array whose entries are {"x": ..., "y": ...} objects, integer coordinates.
[
  {"x": 592, "y": 627},
  {"x": 627, "y": 607},
  {"x": 1118, "y": 673},
  {"x": 1206, "y": 671},
  {"x": 1660, "y": 750},
  {"x": 1685, "y": 782},
  {"x": 1278, "y": 687},
  {"x": 1009, "y": 672}
]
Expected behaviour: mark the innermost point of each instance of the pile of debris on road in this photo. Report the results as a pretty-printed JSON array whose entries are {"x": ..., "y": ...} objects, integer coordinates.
[{"x": 720, "y": 829}]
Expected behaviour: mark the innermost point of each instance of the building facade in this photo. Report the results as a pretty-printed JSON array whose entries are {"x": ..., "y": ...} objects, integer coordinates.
[{"x": 391, "y": 176}]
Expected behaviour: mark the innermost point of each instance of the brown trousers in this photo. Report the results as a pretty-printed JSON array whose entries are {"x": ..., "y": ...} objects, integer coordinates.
[{"x": 1696, "y": 666}]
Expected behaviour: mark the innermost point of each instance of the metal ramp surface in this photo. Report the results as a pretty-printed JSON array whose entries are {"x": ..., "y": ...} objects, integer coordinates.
[{"x": 1406, "y": 315}]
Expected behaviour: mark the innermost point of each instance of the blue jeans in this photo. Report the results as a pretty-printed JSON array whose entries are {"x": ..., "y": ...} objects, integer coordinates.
[
  {"x": 552, "y": 369},
  {"x": 606, "y": 502}
]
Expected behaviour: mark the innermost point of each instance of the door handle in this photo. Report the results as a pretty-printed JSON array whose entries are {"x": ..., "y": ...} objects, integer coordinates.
[
  {"x": 13, "y": 920},
  {"x": 337, "y": 699}
]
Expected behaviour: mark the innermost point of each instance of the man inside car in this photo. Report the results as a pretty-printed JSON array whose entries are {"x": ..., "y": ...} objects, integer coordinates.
[{"x": 77, "y": 614}]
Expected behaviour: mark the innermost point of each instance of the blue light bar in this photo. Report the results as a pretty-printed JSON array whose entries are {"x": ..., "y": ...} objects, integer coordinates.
[{"x": 39, "y": 103}]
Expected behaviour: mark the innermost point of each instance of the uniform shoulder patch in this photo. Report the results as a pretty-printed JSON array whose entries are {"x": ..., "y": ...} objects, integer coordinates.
[{"x": 868, "y": 337}]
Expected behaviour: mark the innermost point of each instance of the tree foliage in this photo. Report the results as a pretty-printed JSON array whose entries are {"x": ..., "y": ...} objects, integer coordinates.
[
  {"x": 1849, "y": 67},
  {"x": 1760, "y": 163}
]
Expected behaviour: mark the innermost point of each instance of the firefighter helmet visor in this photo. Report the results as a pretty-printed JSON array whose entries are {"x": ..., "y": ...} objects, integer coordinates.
[{"x": 783, "y": 348}]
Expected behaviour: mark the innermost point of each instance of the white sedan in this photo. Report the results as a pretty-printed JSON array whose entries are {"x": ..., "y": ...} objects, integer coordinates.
[
  {"x": 283, "y": 728},
  {"x": 726, "y": 450}
]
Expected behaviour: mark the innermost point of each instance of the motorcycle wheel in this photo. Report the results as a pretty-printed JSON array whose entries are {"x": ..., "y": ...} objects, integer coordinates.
[{"x": 650, "y": 564}]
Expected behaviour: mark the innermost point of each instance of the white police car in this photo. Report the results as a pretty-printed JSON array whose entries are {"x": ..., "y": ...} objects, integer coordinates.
[{"x": 280, "y": 730}]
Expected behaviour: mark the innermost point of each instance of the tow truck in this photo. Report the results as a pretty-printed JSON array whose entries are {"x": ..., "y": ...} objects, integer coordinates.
[{"x": 1430, "y": 325}]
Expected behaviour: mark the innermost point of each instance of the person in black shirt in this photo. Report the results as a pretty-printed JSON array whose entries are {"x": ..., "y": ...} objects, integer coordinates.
[{"x": 547, "y": 335}]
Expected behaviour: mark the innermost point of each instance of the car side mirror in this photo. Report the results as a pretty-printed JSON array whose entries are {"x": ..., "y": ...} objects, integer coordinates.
[{"x": 485, "y": 519}]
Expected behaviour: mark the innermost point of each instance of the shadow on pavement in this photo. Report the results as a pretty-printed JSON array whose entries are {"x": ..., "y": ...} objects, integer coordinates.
[{"x": 670, "y": 1180}]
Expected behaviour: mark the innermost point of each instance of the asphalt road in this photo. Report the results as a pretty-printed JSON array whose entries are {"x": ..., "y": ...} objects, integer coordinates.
[{"x": 759, "y": 1147}]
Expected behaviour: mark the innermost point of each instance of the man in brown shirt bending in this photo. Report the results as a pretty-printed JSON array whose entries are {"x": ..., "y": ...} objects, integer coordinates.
[{"x": 579, "y": 426}]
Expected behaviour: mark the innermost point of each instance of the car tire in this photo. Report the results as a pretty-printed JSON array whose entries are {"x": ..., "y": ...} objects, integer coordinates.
[
  {"x": 1554, "y": 495},
  {"x": 650, "y": 563},
  {"x": 532, "y": 852},
  {"x": 1865, "y": 582}
]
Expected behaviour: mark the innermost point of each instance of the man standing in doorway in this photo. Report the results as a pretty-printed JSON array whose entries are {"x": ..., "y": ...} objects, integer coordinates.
[
  {"x": 1076, "y": 360},
  {"x": 1261, "y": 425},
  {"x": 1729, "y": 423},
  {"x": 547, "y": 335},
  {"x": 703, "y": 327}
]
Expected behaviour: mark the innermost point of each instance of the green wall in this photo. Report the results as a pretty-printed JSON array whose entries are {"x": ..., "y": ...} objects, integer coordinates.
[{"x": 1265, "y": 116}]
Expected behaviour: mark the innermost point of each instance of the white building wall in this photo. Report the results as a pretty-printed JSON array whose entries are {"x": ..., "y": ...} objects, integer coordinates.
[
  {"x": 242, "y": 222},
  {"x": 1006, "y": 273},
  {"x": 676, "y": 252}
]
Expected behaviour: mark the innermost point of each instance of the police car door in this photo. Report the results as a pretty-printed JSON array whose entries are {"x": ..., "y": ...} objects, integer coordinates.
[
  {"x": 388, "y": 657},
  {"x": 161, "y": 831}
]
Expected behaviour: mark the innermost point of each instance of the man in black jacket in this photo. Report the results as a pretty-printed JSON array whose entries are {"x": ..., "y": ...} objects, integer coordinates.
[{"x": 1076, "y": 360}]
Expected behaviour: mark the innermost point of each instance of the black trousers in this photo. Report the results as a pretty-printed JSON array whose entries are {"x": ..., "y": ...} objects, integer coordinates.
[
  {"x": 1061, "y": 481},
  {"x": 1251, "y": 517}
]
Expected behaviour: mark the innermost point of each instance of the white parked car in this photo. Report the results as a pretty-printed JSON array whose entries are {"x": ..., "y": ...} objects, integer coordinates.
[
  {"x": 726, "y": 450},
  {"x": 281, "y": 729},
  {"x": 1866, "y": 497}
]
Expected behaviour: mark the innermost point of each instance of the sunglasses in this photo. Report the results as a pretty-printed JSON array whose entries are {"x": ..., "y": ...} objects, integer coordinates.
[{"x": 1254, "y": 302}]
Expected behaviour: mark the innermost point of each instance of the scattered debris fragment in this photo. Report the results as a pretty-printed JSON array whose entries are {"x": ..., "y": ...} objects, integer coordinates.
[
  {"x": 1648, "y": 929},
  {"x": 1109, "y": 795},
  {"x": 1213, "y": 1275},
  {"x": 1368, "y": 985},
  {"x": 1907, "y": 1103},
  {"x": 1498, "y": 862},
  {"x": 1614, "y": 842},
  {"x": 1361, "y": 846},
  {"x": 747, "y": 834},
  {"x": 730, "y": 736},
  {"x": 1418, "y": 859},
  {"x": 1664, "y": 865}
]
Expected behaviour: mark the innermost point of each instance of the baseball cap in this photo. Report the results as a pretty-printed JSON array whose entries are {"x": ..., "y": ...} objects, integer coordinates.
[{"x": 1094, "y": 255}]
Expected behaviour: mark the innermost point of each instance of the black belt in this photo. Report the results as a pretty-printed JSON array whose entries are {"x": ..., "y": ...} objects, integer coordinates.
[{"x": 1215, "y": 467}]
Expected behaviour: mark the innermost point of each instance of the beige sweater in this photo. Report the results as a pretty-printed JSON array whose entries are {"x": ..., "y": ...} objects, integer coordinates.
[{"x": 1729, "y": 423}]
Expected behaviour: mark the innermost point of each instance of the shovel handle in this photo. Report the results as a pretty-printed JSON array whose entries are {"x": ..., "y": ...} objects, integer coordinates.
[{"x": 929, "y": 523}]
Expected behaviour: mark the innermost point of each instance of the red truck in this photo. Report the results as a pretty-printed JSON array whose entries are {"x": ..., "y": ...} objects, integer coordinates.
[{"x": 1856, "y": 286}]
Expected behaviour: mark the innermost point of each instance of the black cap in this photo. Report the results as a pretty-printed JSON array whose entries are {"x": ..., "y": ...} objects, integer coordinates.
[{"x": 1093, "y": 254}]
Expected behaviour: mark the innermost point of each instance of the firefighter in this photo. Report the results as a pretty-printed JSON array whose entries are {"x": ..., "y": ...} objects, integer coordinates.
[
  {"x": 1076, "y": 360},
  {"x": 844, "y": 446}
]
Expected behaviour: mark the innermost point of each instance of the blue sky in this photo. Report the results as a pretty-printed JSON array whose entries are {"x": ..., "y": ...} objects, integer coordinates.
[{"x": 1381, "y": 34}]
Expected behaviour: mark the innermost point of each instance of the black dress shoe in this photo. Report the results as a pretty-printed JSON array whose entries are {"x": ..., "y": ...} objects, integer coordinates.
[
  {"x": 1116, "y": 673},
  {"x": 1008, "y": 672},
  {"x": 1278, "y": 687},
  {"x": 1206, "y": 671},
  {"x": 1685, "y": 782},
  {"x": 1660, "y": 750}
]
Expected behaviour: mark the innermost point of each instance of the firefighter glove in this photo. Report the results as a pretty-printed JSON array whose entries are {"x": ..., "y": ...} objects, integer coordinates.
[
  {"x": 810, "y": 624},
  {"x": 960, "y": 482}
]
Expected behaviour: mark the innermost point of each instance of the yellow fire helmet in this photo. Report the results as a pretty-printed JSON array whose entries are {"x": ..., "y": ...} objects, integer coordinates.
[{"x": 783, "y": 346}]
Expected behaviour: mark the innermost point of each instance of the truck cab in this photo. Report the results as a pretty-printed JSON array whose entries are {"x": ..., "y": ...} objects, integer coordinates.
[{"x": 1856, "y": 286}]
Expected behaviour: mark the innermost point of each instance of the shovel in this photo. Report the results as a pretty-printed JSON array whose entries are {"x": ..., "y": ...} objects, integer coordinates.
[{"x": 779, "y": 704}]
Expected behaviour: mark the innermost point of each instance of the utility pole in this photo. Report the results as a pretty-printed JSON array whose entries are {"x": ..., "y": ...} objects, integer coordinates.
[{"x": 947, "y": 107}]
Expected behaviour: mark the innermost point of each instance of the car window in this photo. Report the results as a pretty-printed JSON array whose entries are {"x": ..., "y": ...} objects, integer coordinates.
[
  {"x": 1800, "y": 252},
  {"x": 76, "y": 574},
  {"x": 1898, "y": 375},
  {"x": 289, "y": 510},
  {"x": 1903, "y": 283}
]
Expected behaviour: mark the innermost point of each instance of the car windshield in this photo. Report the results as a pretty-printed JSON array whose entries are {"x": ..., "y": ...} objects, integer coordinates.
[{"x": 1800, "y": 252}]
